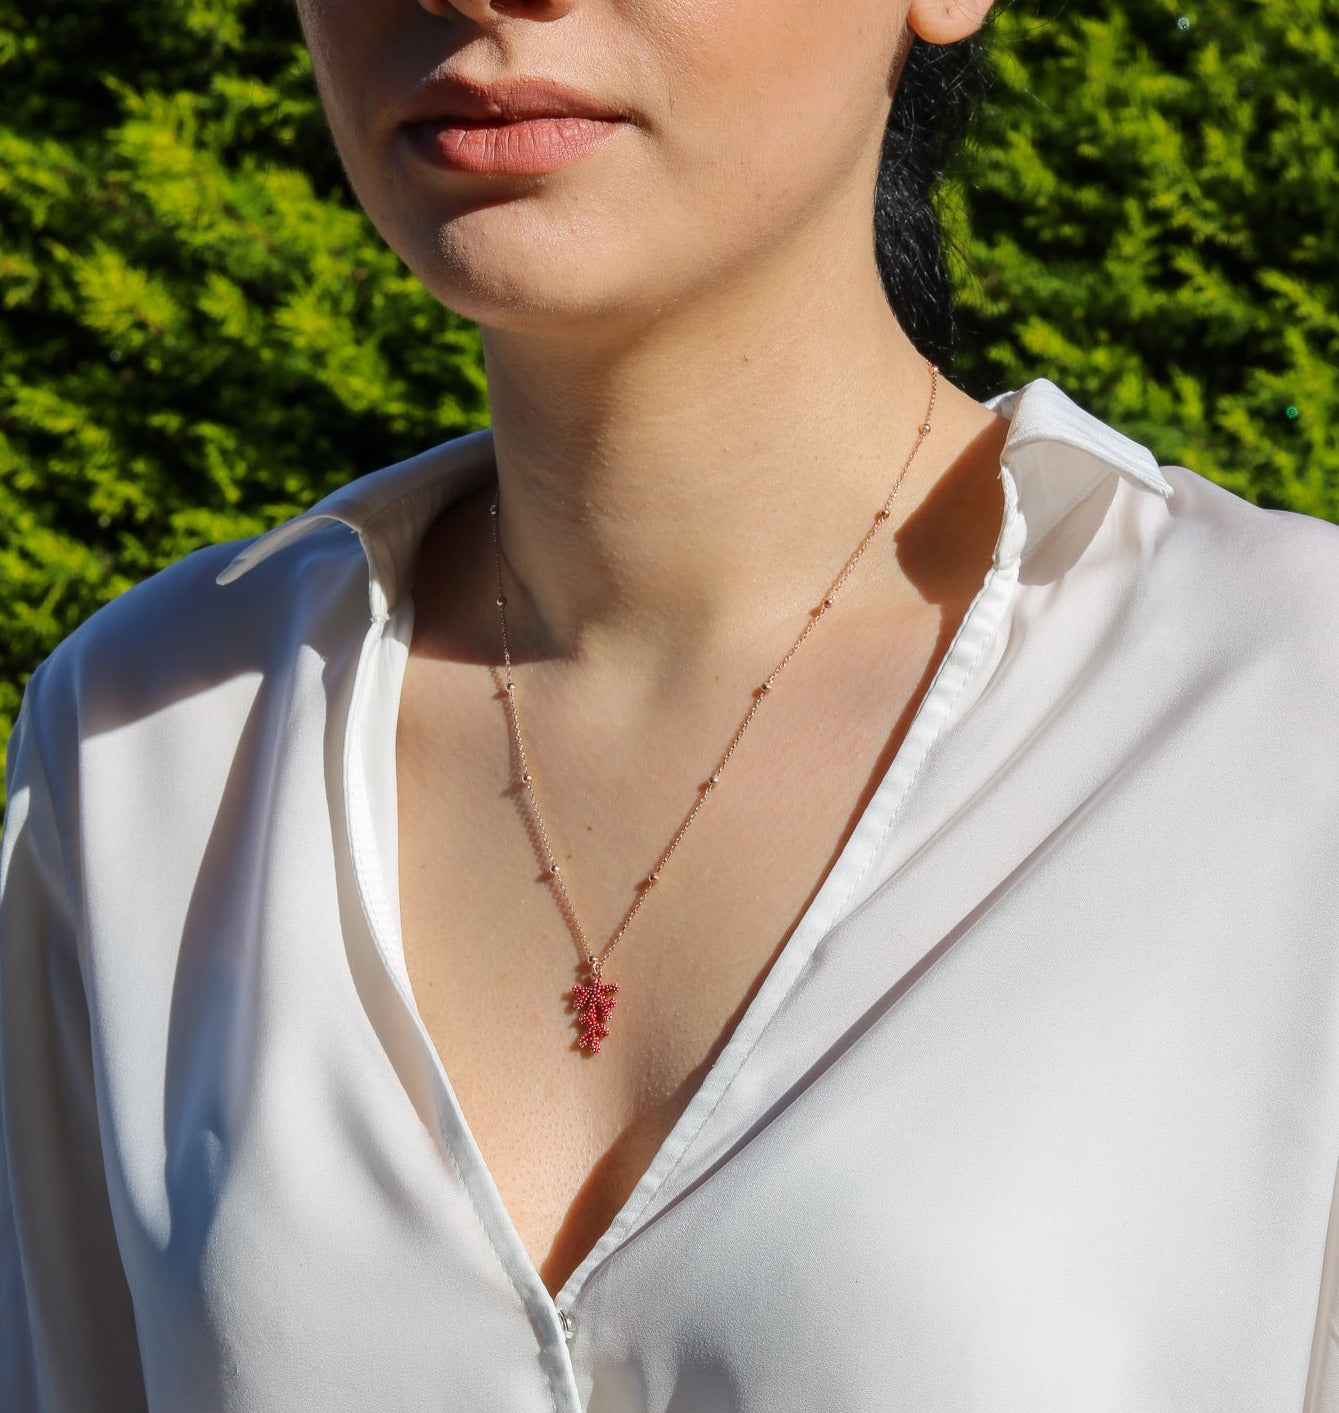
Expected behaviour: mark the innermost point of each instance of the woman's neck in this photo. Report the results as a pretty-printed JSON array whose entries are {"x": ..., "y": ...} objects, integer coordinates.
[{"x": 678, "y": 496}]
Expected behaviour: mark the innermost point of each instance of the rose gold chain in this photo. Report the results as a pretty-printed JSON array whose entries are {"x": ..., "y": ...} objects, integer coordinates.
[{"x": 760, "y": 692}]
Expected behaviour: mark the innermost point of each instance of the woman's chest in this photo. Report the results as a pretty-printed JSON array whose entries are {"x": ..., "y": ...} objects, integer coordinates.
[
  {"x": 493, "y": 947},
  {"x": 1035, "y": 1177},
  {"x": 1007, "y": 1142}
]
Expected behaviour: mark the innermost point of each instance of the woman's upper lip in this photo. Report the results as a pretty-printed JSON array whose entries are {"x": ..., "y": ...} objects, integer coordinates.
[{"x": 507, "y": 101}]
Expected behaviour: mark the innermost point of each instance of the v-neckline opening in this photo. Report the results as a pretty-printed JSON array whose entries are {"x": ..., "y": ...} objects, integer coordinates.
[{"x": 834, "y": 897}]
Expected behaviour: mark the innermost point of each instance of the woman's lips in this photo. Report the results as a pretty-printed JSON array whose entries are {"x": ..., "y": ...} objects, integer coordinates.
[
  {"x": 518, "y": 127},
  {"x": 522, "y": 147}
]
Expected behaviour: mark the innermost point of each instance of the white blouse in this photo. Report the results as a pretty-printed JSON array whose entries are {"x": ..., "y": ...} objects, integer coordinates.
[{"x": 1037, "y": 1111}]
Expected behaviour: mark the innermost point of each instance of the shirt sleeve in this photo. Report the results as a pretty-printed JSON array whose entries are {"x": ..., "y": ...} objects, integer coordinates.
[{"x": 67, "y": 1328}]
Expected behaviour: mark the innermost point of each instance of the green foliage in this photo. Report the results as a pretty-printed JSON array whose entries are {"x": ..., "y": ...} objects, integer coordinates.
[
  {"x": 200, "y": 334},
  {"x": 1152, "y": 221}
]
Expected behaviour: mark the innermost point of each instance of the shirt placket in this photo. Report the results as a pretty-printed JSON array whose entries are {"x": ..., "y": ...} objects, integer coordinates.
[{"x": 370, "y": 726}]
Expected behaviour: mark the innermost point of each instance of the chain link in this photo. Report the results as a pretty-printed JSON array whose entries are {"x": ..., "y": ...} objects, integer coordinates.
[{"x": 760, "y": 693}]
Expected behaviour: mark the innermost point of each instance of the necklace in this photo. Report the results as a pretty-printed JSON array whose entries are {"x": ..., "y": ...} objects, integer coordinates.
[{"x": 592, "y": 997}]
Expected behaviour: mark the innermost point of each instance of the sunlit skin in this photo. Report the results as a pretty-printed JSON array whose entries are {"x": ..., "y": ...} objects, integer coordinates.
[
  {"x": 699, "y": 397},
  {"x": 713, "y": 260}
]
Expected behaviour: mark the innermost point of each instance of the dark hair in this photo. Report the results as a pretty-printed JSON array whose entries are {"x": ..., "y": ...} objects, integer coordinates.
[{"x": 940, "y": 90}]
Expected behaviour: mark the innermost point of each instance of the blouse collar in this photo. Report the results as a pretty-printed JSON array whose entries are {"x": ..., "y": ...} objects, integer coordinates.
[{"x": 1054, "y": 455}]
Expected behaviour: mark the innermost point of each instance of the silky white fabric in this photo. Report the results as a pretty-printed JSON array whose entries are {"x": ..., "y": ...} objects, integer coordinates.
[{"x": 1036, "y": 1112}]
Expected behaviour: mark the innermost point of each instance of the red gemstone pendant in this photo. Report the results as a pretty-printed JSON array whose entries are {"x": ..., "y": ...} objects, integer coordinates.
[{"x": 593, "y": 998}]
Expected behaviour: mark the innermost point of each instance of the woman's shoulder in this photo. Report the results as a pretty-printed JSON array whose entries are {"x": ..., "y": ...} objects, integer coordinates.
[
  {"x": 1212, "y": 570},
  {"x": 246, "y": 608},
  {"x": 1227, "y": 608},
  {"x": 1233, "y": 526},
  {"x": 182, "y": 637},
  {"x": 1260, "y": 574}
]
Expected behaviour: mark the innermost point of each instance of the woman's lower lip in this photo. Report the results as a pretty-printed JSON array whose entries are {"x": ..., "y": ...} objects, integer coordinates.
[{"x": 526, "y": 148}]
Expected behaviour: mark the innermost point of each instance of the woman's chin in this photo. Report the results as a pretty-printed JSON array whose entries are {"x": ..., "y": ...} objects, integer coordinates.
[
  {"x": 502, "y": 300},
  {"x": 513, "y": 285}
]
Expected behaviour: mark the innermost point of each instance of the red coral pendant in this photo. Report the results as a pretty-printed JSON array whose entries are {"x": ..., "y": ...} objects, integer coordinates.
[{"x": 593, "y": 998}]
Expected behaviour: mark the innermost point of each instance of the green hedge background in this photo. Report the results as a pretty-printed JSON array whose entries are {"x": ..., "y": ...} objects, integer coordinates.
[{"x": 200, "y": 334}]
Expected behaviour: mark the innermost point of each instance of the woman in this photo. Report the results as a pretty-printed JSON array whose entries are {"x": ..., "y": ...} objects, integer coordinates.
[{"x": 760, "y": 883}]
